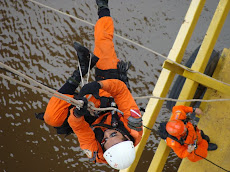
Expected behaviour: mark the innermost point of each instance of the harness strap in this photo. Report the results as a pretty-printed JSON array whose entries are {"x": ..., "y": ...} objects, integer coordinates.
[
  {"x": 181, "y": 141},
  {"x": 120, "y": 127},
  {"x": 106, "y": 74}
]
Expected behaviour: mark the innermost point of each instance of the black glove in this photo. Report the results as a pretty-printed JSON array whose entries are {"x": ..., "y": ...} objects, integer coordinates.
[
  {"x": 82, "y": 111},
  {"x": 91, "y": 88}
]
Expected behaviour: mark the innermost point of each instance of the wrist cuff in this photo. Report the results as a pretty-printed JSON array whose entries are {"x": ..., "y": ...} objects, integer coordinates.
[{"x": 194, "y": 109}]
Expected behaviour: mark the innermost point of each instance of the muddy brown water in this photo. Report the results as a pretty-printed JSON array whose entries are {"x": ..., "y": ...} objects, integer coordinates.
[{"x": 37, "y": 42}]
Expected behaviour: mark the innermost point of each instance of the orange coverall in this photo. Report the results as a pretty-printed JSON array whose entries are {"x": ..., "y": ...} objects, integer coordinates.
[
  {"x": 57, "y": 110},
  {"x": 125, "y": 103},
  {"x": 179, "y": 112}
]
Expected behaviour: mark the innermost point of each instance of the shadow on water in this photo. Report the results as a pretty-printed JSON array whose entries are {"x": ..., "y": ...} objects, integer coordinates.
[{"x": 37, "y": 42}]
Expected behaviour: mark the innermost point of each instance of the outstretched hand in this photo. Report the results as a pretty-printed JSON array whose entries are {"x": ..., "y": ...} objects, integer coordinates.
[
  {"x": 90, "y": 88},
  {"x": 199, "y": 112},
  {"x": 190, "y": 148}
]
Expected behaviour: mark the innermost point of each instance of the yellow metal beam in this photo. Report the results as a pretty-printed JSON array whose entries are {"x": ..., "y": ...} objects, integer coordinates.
[
  {"x": 197, "y": 77},
  {"x": 212, "y": 35},
  {"x": 216, "y": 113},
  {"x": 181, "y": 43},
  {"x": 206, "y": 48},
  {"x": 166, "y": 77},
  {"x": 160, "y": 157},
  {"x": 200, "y": 63}
]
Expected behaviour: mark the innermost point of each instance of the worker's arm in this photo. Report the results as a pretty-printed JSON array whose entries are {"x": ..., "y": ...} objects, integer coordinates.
[
  {"x": 56, "y": 111},
  {"x": 86, "y": 137},
  {"x": 186, "y": 109},
  {"x": 125, "y": 102},
  {"x": 180, "y": 150}
]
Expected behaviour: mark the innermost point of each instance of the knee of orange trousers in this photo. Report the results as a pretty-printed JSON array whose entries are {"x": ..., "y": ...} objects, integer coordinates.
[
  {"x": 107, "y": 63},
  {"x": 55, "y": 119},
  {"x": 107, "y": 56}
]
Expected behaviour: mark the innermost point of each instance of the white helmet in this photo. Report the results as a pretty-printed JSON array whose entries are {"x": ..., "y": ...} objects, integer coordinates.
[{"x": 121, "y": 155}]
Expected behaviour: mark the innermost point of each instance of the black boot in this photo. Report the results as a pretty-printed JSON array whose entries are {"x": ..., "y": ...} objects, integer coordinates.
[
  {"x": 75, "y": 79},
  {"x": 102, "y": 4},
  {"x": 212, "y": 146},
  {"x": 205, "y": 136},
  {"x": 123, "y": 68},
  {"x": 103, "y": 9},
  {"x": 84, "y": 57}
]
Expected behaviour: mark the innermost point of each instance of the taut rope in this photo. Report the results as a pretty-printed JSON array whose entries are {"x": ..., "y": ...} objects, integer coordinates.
[{"x": 48, "y": 91}]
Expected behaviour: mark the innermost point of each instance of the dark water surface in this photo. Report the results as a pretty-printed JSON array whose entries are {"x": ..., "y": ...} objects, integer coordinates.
[{"x": 37, "y": 42}]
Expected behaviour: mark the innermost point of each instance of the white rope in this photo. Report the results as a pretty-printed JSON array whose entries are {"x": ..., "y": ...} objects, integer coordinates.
[
  {"x": 79, "y": 103},
  {"x": 148, "y": 49},
  {"x": 79, "y": 67},
  {"x": 42, "y": 91},
  {"x": 178, "y": 100},
  {"x": 50, "y": 92}
]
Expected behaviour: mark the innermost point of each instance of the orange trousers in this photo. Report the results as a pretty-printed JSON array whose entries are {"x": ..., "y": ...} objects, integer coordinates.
[
  {"x": 57, "y": 110},
  {"x": 104, "y": 46}
]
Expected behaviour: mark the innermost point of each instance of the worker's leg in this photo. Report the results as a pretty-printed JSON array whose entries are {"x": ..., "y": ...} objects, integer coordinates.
[
  {"x": 204, "y": 136},
  {"x": 104, "y": 46},
  {"x": 108, "y": 65},
  {"x": 57, "y": 109},
  {"x": 84, "y": 57}
]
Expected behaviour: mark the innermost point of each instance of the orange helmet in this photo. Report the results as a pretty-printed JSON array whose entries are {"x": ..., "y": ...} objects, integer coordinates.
[{"x": 175, "y": 127}]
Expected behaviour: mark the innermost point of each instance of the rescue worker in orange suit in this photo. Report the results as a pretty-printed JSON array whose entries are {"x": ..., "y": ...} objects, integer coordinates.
[
  {"x": 107, "y": 137},
  {"x": 194, "y": 144}
]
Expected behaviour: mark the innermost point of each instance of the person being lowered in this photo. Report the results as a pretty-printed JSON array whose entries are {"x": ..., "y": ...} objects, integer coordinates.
[{"x": 108, "y": 136}]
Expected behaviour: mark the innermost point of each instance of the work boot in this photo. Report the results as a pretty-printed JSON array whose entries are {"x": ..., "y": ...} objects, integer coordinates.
[
  {"x": 205, "y": 137},
  {"x": 102, "y": 4},
  {"x": 212, "y": 146},
  {"x": 75, "y": 79},
  {"x": 84, "y": 57},
  {"x": 123, "y": 68}
]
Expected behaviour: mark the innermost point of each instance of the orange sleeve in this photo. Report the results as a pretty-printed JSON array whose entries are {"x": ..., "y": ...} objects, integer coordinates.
[
  {"x": 56, "y": 111},
  {"x": 186, "y": 109},
  {"x": 86, "y": 137},
  {"x": 182, "y": 112},
  {"x": 122, "y": 96},
  {"x": 180, "y": 150},
  {"x": 125, "y": 102}
]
